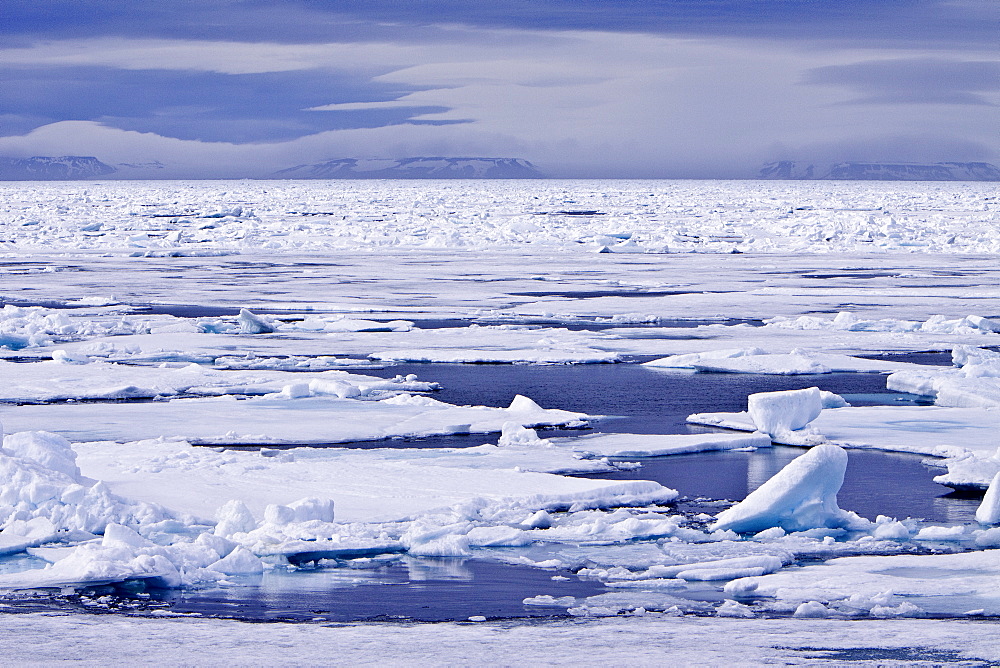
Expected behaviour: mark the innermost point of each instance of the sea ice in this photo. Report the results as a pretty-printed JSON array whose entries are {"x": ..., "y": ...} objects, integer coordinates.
[
  {"x": 302, "y": 414},
  {"x": 785, "y": 415},
  {"x": 801, "y": 496},
  {"x": 929, "y": 430}
]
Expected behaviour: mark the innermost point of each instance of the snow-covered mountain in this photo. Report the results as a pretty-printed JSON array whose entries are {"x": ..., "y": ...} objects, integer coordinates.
[
  {"x": 882, "y": 171},
  {"x": 414, "y": 168},
  {"x": 44, "y": 168}
]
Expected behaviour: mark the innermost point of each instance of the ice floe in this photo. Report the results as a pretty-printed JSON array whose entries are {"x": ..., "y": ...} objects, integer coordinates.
[{"x": 320, "y": 412}]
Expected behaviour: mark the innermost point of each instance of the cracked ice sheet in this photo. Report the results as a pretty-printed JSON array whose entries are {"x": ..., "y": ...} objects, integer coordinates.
[
  {"x": 927, "y": 430},
  {"x": 265, "y": 420},
  {"x": 366, "y": 486},
  {"x": 112, "y": 639}
]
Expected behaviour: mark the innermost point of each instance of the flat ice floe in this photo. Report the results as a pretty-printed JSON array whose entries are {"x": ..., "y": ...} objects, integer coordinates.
[
  {"x": 655, "y": 445},
  {"x": 756, "y": 360},
  {"x": 890, "y": 586},
  {"x": 929, "y": 430},
  {"x": 64, "y": 378},
  {"x": 282, "y": 418},
  {"x": 365, "y": 485}
]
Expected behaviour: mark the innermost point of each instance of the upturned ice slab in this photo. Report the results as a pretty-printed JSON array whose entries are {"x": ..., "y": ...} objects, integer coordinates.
[{"x": 801, "y": 496}]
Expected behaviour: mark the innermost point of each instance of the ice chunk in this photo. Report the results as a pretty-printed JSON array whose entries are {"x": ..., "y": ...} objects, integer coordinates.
[
  {"x": 785, "y": 414},
  {"x": 234, "y": 517},
  {"x": 513, "y": 434},
  {"x": 539, "y": 520},
  {"x": 44, "y": 448},
  {"x": 811, "y": 609},
  {"x": 117, "y": 534},
  {"x": 523, "y": 404},
  {"x": 238, "y": 562},
  {"x": 803, "y": 495},
  {"x": 989, "y": 510},
  {"x": 792, "y": 364},
  {"x": 251, "y": 323},
  {"x": 312, "y": 508}
]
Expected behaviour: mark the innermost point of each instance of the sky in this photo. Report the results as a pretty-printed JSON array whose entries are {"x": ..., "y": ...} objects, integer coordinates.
[{"x": 582, "y": 88}]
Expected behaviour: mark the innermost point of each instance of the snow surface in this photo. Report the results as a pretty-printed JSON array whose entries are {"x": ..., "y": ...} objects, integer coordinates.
[{"x": 103, "y": 639}]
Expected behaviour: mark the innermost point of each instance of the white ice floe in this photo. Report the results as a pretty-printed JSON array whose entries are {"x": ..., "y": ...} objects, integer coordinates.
[
  {"x": 887, "y": 586},
  {"x": 58, "y": 380},
  {"x": 757, "y": 360},
  {"x": 300, "y": 414},
  {"x": 206, "y": 218},
  {"x": 785, "y": 416},
  {"x": 657, "y": 445},
  {"x": 666, "y": 637},
  {"x": 847, "y": 321},
  {"x": 973, "y": 383},
  {"x": 801, "y": 496},
  {"x": 929, "y": 430},
  {"x": 366, "y": 485},
  {"x": 474, "y": 356}
]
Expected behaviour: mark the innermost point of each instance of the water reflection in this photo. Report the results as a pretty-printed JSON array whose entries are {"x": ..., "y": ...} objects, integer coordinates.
[{"x": 404, "y": 587}]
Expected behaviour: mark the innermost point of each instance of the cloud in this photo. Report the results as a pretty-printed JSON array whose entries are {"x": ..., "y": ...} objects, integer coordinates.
[
  {"x": 578, "y": 103},
  {"x": 871, "y": 23},
  {"x": 913, "y": 80},
  {"x": 197, "y": 105}
]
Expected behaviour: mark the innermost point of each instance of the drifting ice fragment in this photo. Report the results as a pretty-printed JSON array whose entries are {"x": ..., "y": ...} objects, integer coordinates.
[
  {"x": 251, "y": 323},
  {"x": 785, "y": 414},
  {"x": 234, "y": 517},
  {"x": 801, "y": 496}
]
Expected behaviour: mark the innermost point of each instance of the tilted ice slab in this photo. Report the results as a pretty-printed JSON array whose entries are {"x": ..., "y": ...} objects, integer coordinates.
[
  {"x": 56, "y": 380},
  {"x": 276, "y": 420},
  {"x": 801, "y": 496},
  {"x": 888, "y": 586},
  {"x": 929, "y": 430}
]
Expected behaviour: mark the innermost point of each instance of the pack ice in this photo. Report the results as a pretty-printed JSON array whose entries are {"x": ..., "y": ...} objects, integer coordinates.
[{"x": 289, "y": 290}]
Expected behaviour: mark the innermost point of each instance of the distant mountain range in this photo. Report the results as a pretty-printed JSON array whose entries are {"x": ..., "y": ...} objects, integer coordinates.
[
  {"x": 41, "y": 168},
  {"x": 881, "y": 171},
  {"x": 414, "y": 168}
]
